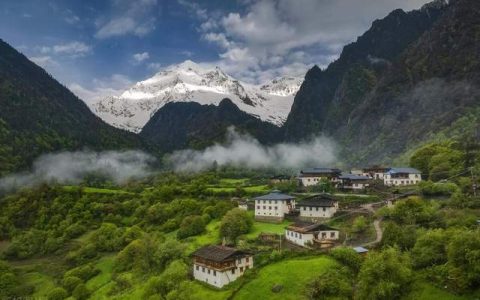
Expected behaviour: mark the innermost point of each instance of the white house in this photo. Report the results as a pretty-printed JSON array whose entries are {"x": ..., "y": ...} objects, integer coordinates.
[
  {"x": 375, "y": 172},
  {"x": 273, "y": 206},
  {"x": 307, "y": 234},
  {"x": 313, "y": 176},
  {"x": 220, "y": 265},
  {"x": 317, "y": 208},
  {"x": 402, "y": 176},
  {"x": 354, "y": 182}
]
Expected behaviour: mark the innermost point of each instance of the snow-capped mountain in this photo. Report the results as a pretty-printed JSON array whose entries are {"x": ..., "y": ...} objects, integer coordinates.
[{"x": 190, "y": 82}]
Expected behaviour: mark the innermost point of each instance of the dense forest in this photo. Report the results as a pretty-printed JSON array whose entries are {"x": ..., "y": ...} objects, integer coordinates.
[{"x": 99, "y": 240}]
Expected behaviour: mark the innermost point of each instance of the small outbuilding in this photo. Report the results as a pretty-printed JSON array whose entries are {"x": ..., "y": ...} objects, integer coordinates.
[{"x": 361, "y": 250}]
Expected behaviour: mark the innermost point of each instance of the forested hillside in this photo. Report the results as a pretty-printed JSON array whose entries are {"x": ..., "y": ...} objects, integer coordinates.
[
  {"x": 379, "y": 101},
  {"x": 39, "y": 115},
  {"x": 195, "y": 126}
]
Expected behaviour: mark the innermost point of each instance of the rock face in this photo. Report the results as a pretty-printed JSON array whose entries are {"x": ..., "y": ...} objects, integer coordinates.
[
  {"x": 190, "y": 82},
  {"x": 411, "y": 75},
  {"x": 191, "y": 125},
  {"x": 39, "y": 115}
]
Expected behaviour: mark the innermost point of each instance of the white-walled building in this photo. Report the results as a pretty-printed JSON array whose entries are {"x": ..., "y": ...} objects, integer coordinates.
[
  {"x": 273, "y": 206},
  {"x": 354, "y": 182},
  {"x": 375, "y": 172},
  {"x": 313, "y": 176},
  {"x": 220, "y": 265},
  {"x": 317, "y": 208},
  {"x": 307, "y": 234},
  {"x": 402, "y": 176}
]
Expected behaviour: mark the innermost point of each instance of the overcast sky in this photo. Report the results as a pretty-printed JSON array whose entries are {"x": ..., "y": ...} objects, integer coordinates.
[{"x": 99, "y": 47}]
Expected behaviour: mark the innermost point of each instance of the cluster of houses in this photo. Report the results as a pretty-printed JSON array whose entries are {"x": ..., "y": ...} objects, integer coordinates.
[
  {"x": 219, "y": 265},
  {"x": 360, "y": 179}
]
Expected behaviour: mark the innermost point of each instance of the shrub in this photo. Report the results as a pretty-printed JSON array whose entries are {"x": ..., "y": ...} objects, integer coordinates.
[
  {"x": 191, "y": 226},
  {"x": 347, "y": 257},
  {"x": 81, "y": 292},
  {"x": 71, "y": 282},
  {"x": 57, "y": 294},
  {"x": 235, "y": 223}
]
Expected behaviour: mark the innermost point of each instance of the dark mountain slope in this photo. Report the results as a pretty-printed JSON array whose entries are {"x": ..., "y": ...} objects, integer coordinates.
[
  {"x": 433, "y": 83},
  {"x": 39, "y": 115},
  {"x": 319, "y": 101},
  {"x": 191, "y": 125}
]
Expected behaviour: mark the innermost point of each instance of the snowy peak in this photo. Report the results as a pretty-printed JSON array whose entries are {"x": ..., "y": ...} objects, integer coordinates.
[
  {"x": 284, "y": 86},
  {"x": 191, "y": 82}
]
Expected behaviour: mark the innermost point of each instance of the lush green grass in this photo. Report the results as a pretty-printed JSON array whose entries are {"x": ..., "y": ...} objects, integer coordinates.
[
  {"x": 232, "y": 181},
  {"x": 257, "y": 189},
  {"x": 426, "y": 291},
  {"x": 105, "y": 265},
  {"x": 211, "y": 236},
  {"x": 259, "y": 227},
  {"x": 201, "y": 291},
  {"x": 95, "y": 190},
  {"x": 43, "y": 283},
  {"x": 292, "y": 274}
]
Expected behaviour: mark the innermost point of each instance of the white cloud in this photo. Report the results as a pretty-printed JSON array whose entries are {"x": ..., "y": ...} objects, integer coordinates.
[
  {"x": 101, "y": 88},
  {"x": 140, "y": 57},
  {"x": 131, "y": 17},
  {"x": 272, "y": 36},
  {"x": 72, "y": 49},
  {"x": 154, "y": 66}
]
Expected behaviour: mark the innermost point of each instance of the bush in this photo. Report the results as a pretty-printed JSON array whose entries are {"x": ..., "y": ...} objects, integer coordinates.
[
  {"x": 71, "y": 282},
  {"x": 107, "y": 238},
  {"x": 347, "y": 257},
  {"x": 57, "y": 294},
  {"x": 191, "y": 226},
  {"x": 83, "y": 272},
  {"x": 332, "y": 284},
  {"x": 81, "y": 292},
  {"x": 384, "y": 275},
  {"x": 360, "y": 224},
  {"x": 235, "y": 223}
]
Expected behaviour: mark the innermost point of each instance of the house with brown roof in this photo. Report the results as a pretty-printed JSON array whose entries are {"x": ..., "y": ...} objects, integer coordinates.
[
  {"x": 308, "y": 234},
  {"x": 317, "y": 208},
  {"x": 220, "y": 265}
]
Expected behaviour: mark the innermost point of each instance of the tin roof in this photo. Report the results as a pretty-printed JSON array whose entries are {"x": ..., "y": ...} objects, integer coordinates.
[
  {"x": 321, "y": 171},
  {"x": 275, "y": 195},
  {"x": 404, "y": 170}
]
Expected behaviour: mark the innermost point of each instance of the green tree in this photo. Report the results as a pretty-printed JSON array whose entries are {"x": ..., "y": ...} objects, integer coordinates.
[
  {"x": 169, "y": 280},
  {"x": 430, "y": 249},
  {"x": 81, "y": 292},
  {"x": 348, "y": 257},
  {"x": 57, "y": 294},
  {"x": 464, "y": 259},
  {"x": 402, "y": 236},
  {"x": 334, "y": 283},
  {"x": 235, "y": 223},
  {"x": 384, "y": 275},
  {"x": 359, "y": 224},
  {"x": 191, "y": 226}
]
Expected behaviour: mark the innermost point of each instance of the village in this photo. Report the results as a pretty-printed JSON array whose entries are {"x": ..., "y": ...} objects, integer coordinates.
[{"x": 308, "y": 213}]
